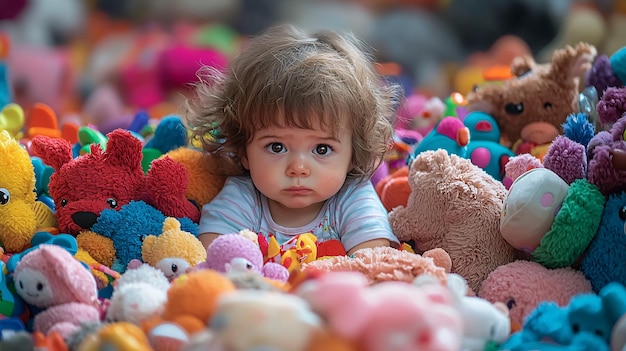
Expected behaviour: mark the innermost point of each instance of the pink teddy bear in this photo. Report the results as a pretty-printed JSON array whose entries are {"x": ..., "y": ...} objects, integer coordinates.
[
  {"x": 50, "y": 277},
  {"x": 238, "y": 252}
]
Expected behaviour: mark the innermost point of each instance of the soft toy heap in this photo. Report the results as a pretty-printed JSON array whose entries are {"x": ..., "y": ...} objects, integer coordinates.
[
  {"x": 83, "y": 187},
  {"x": 531, "y": 107}
]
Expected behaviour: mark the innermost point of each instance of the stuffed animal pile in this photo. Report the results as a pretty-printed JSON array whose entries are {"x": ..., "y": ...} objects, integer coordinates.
[{"x": 511, "y": 217}]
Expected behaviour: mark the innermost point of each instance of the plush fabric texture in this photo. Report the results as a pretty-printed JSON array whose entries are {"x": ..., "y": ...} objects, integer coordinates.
[
  {"x": 522, "y": 285},
  {"x": 237, "y": 252},
  {"x": 69, "y": 280},
  {"x": 83, "y": 187},
  {"x": 192, "y": 298},
  {"x": 574, "y": 226},
  {"x": 381, "y": 264},
  {"x": 17, "y": 198},
  {"x": 612, "y": 106},
  {"x": 394, "y": 189},
  {"x": 618, "y": 62},
  {"x": 578, "y": 128},
  {"x": 203, "y": 184},
  {"x": 517, "y": 165},
  {"x": 566, "y": 158},
  {"x": 172, "y": 244},
  {"x": 454, "y": 205},
  {"x": 601, "y": 171},
  {"x": 601, "y": 75},
  {"x": 530, "y": 207},
  {"x": 100, "y": 248},
  {"x": 603, "y": 261},
  {"x": 69, "y": 292},
  {"x": 130, "y": 225},
  {"x": 539, "y": 93}
]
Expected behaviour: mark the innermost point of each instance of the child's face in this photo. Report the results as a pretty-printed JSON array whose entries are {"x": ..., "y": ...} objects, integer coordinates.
[{"x": 298, "y": 168}]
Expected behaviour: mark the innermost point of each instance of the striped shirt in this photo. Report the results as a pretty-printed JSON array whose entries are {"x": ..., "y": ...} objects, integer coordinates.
[{"x": 353, "y": 216}]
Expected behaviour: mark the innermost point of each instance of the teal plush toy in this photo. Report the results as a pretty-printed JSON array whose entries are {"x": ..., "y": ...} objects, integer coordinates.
[
  {"x": 11, "y": 304},
  {"x": 484, "y": 148},
  {"x": 128, "y": 226},
  {"x": 585, "y": 324},
  {"x": 448, "y": 134}
]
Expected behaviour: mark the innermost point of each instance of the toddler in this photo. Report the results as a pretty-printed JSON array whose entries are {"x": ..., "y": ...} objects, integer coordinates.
[{"x": 299, "y": 123}]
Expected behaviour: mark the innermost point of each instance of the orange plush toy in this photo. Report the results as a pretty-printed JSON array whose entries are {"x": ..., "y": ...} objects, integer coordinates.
[{"x": 531, "y": 107}]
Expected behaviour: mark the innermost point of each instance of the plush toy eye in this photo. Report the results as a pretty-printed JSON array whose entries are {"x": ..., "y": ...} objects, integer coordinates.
[
  {"x": 112, "y": 202},
  {"x": 547, "y": 106},
  {"x": 39, "y": 286},
  {"x": 575, "y": 328},
  {"x": 622, "y": 213},
  {"x": 63, "y": 202},
  {"x": 5, "y": 196},
  {"x": 174, "y": 268},
  {"x": 249, "y": 266},
  {"x": 510, "y": 304}
]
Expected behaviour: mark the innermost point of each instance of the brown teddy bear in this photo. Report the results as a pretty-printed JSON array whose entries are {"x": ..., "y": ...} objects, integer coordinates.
[
  {"x": 454, "y": 205},
  {"x": 531, "y": 107}
]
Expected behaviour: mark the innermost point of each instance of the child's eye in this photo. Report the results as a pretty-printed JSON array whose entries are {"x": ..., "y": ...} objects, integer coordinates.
[
  {"x": 276, "y": 148},
  {"x": 323, "y": 149}
]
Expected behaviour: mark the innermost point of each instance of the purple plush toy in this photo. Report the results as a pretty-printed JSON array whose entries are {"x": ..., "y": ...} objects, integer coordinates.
[
  {"x": 608, "y": 72},
  {"x": 238, "y": 252}
]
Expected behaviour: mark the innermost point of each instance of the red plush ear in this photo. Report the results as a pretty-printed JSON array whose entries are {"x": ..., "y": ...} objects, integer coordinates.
[
  {"x": 123, "y": 149},
  {"x": 55, "y": 152}
]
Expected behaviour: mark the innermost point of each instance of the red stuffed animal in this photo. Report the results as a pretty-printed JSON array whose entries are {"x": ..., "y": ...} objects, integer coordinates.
[{"x": 84, "y": 186}]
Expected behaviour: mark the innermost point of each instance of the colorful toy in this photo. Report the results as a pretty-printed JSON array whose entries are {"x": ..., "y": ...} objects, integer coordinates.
[
  {"x": 601, "y": 261},
  {"x": 236, "y": 252},
  {"x": 607, "y": 72},
  {"x": 531, "y": 107},
  {"x": 522, "y": 285},
  {"x": 419, "y": 113},
  {"x": 272, "y": 320},
  {"x": 381, "y": 264},
  {"x": 11, "y": 304},
  {"x": 484, "y": 148},
  {"x": 529, "y": 208},
  {"x": 611, "y": 107},
  {"x": 173, "y": 251},
  {"x": 128, "y": 226},
  {"x": 192, "y": 300},
  {"x": 455, "y": 206},
  {"x": 586, "y": 323},
  {"x": 49, "y": 277},
  {"x": 485, "y": 324},
  {"x": 18, "y": 220},
  {"x": 390, "y": 314},
  {"x": 449, "y": 134},
  {"x": 12, "y": 119},
  {"x": 83, "y": 187},
  {"x": 203, "y": 184},
  {"x": 139, "y": 294},
  {"x": 600, "y": 171}
]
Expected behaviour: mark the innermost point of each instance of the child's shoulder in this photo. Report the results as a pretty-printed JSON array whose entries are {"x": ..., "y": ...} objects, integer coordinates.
[
  {"x": 240, "y": 183},
  {"x": 356, "y": 187}
]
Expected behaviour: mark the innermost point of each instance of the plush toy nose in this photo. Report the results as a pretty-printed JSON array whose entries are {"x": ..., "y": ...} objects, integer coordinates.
[
  {"x": 85, "y": 219},
  {"x": 514, "y": 109}
]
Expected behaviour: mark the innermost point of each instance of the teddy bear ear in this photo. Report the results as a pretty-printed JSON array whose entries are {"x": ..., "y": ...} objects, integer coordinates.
[
  {"x": 522, "y": 65},
  {"x": 54, "y": 152},
  {"x": 123, "y": 149},
  {"x": 571, "y": 62},
  {"x": 171, "y": 224}
]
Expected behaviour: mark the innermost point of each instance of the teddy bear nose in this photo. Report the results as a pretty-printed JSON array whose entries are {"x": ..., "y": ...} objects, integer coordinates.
[
  {"x": 514, "y": 109},
  {"x": 85, "y": 219}
]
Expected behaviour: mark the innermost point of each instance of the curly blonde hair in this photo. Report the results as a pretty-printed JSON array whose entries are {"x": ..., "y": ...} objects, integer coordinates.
[{"x": 283, "y": 78}]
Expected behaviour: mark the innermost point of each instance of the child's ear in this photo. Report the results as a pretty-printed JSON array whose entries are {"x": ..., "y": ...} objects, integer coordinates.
[{"x": 244, "y": 162}]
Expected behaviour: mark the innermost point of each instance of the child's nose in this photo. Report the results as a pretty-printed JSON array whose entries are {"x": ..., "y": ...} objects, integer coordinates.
[{"x": 298, "y": 167}]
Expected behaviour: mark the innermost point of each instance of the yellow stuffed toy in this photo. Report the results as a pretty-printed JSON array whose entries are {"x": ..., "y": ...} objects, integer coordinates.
[
  {"x": 174, "y": 251},
  {"x": 20, "y": 214}
]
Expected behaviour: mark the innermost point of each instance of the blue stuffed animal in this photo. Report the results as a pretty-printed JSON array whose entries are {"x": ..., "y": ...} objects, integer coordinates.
[
  {"x": 585, "y": 324},
  {"x": 604, "y": 259},
  {"x": 484, "y": 148},
  {"x": 128, "y": 226}
]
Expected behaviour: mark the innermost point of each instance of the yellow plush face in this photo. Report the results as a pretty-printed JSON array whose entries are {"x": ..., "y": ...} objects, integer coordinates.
[{"x": 17, "y": 196}]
